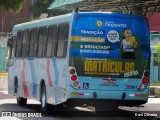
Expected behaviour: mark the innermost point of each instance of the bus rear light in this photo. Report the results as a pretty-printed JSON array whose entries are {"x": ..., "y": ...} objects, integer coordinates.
[
  {"x": 146, "y": 21},
  {"x": 75, "y": 17},
  {"x": 72, "y": 71},
  {"x": 143, "y": 84},
  {"x": 76, "y": 84},
  {"x": 144, "y": 80},
  {"x": 73, "y": 77},
  {"x": 136, "y": 95},
  {"x": 146, "y": 73},
  {"x": 141, "y": 87}
]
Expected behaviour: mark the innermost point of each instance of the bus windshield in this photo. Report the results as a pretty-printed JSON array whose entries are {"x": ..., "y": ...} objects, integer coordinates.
[{"x": 109, "y": 45}]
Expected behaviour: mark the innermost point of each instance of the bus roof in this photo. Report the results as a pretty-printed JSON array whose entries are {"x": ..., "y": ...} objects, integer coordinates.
[
  {"x": 67, "y": 18},
  {"x": 114, "y": 14},
  {"x": 42, "y": 22}
]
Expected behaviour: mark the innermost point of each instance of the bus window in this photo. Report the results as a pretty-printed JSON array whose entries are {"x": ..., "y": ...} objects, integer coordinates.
[
  {"x": 18, "y": 44},
  {"x": 51, "y": 43},
  {"x": 26, "y": 36},
  {"x": 62, "y": 40},
  {"x": 33, "y": 42},
  {"x": 41, "y": 41}
]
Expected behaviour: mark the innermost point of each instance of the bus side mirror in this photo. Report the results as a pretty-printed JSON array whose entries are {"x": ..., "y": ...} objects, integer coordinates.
[
  {"x": 9, "y": 51},
  {"x": 10, "y": 42}
]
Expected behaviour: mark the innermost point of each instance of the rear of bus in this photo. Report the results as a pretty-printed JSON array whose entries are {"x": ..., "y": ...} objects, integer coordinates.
[{"x": 97, "y": 71}]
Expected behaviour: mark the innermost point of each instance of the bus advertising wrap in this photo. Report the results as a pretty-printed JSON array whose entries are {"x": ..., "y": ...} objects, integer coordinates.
[{"x": 109, "y": 46}]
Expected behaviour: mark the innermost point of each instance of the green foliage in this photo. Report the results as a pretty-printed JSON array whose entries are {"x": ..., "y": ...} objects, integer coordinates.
[
  {"x": 157, "y": 47},
  {"x": 18, "y": 21},
  {"x": 7, "y": 6},
  {"x": 41, "y": 6},
  {"x": 11, "y": 5},
  {"x": 57, "y": 12},
  {"x": 123, "y": 12}
]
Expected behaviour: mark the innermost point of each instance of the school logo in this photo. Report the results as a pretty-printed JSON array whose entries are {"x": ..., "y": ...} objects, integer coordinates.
[{"x": 99, "y": 23}]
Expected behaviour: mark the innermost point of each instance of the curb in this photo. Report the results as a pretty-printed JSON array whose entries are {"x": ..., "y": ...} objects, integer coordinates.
[
  {"x": 4, "y": 74},
  {"x": 3, "y": 81},
  {"x": 154, "y": 91}
]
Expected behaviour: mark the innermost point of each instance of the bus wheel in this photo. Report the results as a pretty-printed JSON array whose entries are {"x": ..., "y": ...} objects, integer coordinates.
[
  {"x": 20, "y": 101},
  {"x": 15, "y": 88},
  {"x": 44, "y": 105}
]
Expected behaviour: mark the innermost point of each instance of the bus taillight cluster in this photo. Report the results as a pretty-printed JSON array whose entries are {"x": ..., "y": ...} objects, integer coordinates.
[
  {"x": 72, "y": 71},
  {"x": 73, "y": 77},
  {"x": 146, "y": 73},
  {"x": 144, "y": 81}
]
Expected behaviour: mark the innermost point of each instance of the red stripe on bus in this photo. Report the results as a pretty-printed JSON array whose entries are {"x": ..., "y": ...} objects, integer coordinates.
[
  {"x": 48, "y": 74},
  {"x": 25, "y": 89}
]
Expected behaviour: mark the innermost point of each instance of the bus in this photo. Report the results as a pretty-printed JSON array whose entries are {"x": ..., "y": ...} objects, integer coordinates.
[{"x": 100, "y": 59}]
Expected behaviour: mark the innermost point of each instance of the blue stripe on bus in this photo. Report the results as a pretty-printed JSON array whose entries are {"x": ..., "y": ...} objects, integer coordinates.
[
  {"x": 32, "y": 70},
  {"x": 56, "y": 72}
]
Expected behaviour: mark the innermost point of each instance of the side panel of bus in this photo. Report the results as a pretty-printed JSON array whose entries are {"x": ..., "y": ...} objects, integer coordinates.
[{"x": 31, "y": 72}]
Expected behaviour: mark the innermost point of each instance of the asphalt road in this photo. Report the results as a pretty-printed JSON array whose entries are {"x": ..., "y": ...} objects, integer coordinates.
[{"x": 31, "y": 111}]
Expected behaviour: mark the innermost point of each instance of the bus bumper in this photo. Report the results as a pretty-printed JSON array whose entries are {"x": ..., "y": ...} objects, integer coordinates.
[{"x": 128, "y": 98}]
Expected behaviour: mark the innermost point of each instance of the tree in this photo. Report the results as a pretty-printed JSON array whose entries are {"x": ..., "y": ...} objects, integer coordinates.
[
  {"x": 41, "y": 6},
  {"x": 56, "y": 12},
  {"x": 19, "y": 21},
  {"x": 7, "y": 6}
]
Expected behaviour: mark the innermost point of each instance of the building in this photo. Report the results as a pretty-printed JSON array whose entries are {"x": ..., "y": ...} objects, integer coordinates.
[
  {"x": 154, "y": 21},
  {"x": 12, "y": 17}
]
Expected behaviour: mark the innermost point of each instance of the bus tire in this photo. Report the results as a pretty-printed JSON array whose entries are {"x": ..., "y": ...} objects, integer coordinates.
[
  {"x": 20, "y": 101},
  {"x": 44, "y": 105},
  {"x": 15, "y": 87}
]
